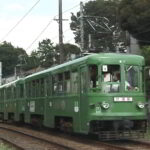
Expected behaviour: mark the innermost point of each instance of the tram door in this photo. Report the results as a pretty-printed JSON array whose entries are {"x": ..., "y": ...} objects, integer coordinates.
[
  {"x": 83, "y": 98},
  {"x": 147, "y": 86}
]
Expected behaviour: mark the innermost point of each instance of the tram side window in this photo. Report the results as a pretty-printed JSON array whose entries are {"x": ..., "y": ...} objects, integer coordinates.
[
  {"x": 28, "y": 87},
  {"x": 14, "y": 93},
  {"x": 2, "y": 94},
  {"x": 8, "y": 93},
  {"x": 93, "y": 73},
  {"x": 33, "y": 88},
  {"x": 48, "y": 86},
  {"x": 74, "y": 81},
  {"x": 132, "y": 78},
  {"x": 21, "y": 91},
  {"x": 42, "y": 87},
  {"x": 67, "y": 82},
  {"x": 54, "y": 84},
  {"x": 60, "y": 83},
  {"x": 37, "y": 87},
  {"x": 57, "y": 83}
]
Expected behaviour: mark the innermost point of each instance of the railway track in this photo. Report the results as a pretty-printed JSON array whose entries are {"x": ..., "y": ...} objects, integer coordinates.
[
  {"x": 132, "y": 144},
  {"x": 29, "y": 139},
  {"x": 27, "y": 142}
]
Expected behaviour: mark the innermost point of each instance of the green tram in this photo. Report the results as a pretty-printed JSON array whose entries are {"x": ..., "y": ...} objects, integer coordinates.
[{"x": 99, "y": 94}]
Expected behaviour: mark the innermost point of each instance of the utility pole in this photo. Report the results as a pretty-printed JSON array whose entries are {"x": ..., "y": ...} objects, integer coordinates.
[
  {"x": 81, "y": 26},
  {"x": 61, "y": 33}
]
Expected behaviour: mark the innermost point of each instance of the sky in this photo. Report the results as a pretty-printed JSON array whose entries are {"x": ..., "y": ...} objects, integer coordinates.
[{"x": 25, "y": 34}]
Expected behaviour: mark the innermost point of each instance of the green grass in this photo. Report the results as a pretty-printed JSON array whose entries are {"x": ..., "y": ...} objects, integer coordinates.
[{"x": 5, "y": 147}]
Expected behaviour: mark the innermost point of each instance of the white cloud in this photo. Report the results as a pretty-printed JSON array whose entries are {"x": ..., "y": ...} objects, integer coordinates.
[
  {"x": 14, "y": 7},
  {"x": 28, "y": 30}
]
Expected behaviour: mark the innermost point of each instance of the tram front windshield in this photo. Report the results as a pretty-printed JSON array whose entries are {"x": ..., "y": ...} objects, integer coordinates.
[{"x": 112, "y": 80}]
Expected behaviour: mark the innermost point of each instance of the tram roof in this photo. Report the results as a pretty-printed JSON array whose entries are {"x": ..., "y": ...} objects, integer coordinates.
[
  {"x": 108, "y": 58},
  {"x": 13, "y": 83}
]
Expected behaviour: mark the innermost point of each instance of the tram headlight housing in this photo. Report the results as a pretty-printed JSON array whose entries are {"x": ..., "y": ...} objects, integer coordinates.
[
  {"x": 141, "y": 105},
  {"x": 105, "y": 105}
]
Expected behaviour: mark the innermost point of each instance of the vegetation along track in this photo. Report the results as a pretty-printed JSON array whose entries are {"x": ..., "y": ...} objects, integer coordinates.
[{"x": 30, "y": 139}]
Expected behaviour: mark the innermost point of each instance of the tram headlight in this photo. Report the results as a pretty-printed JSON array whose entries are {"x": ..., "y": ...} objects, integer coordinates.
[
  {"x": 105, "y": 105},
  {"x": 141, "y": 105}
]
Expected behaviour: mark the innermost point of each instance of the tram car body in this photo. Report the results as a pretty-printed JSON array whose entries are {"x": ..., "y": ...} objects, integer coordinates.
[{"x": 100, "y": 94}]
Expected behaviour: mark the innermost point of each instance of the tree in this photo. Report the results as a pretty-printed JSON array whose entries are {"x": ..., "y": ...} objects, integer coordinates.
[
  {"x": 32, "y": 61},
  {"x": 9, "y": 56},
  {"x": 46, "y": 53},
  {"x": 135, "y": 18},
  {"x": 145, "y": 51},
  {"x": 69, "y": 51},
  {"x": 102, "y": 24}
]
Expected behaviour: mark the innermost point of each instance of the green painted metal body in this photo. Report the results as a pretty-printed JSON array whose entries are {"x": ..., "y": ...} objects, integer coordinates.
[{"x": 83, "y": 106}]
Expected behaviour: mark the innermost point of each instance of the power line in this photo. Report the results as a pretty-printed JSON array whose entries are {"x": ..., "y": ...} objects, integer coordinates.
[
  {"x": 74, "y": 7},
  {"x": 54, "y": 37},
  {"x": 11, "y": 30},
  {"x": 39, "y": 34},
  {"x": 49, "y": 25}
]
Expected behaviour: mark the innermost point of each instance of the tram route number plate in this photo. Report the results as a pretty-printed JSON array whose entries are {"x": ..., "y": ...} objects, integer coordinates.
[{"x": 123, "y": 99}]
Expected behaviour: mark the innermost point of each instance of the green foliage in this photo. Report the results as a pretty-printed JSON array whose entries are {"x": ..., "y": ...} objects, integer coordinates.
[
  {"x": 145, "y": 50},
  {"x": 135, "y": 18},
  {"x": 46, "y": 56},
  {"x": 6, "y": 147},
  {"x": 69, "y": 49},
  {"x": 9, "y": 56},
  {"x": 46, "y": 53},
  {"x": 102, "y": 39},
  {"x": 32, "y": 61}
]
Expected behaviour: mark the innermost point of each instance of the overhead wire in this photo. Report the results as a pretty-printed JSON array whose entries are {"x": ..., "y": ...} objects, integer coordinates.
[
  {"x": 11, "y": 30},
  {"x": 49, "y": 25},
  {"x": 63, "y": 32},
  {"x": 39, "y": 35}
]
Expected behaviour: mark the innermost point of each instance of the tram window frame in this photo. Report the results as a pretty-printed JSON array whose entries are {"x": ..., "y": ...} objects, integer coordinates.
[
  {"x": 111, "y": 78},
  {"x": 58, "y": 84},
  {"x": 33, "y": 90},
  {"x": 74, "y": 81},
  {"x": 54, "y": 84},
  {"x": 93, "y": 75},
  {"x": 42, "y": 87},
  {"x": 29, "y": 90},
  {"x": 9, "y": 93},
  {"x": 67, "y": 82},
  {"x": 14, "y": 92},
  {"x": 2, "y": 94},
  {"x": 129, "y": 83},
  {"x": 21, "y": 91},
  {"x": 48, "y": 83},
  {"x": 37, "y": 88}
]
